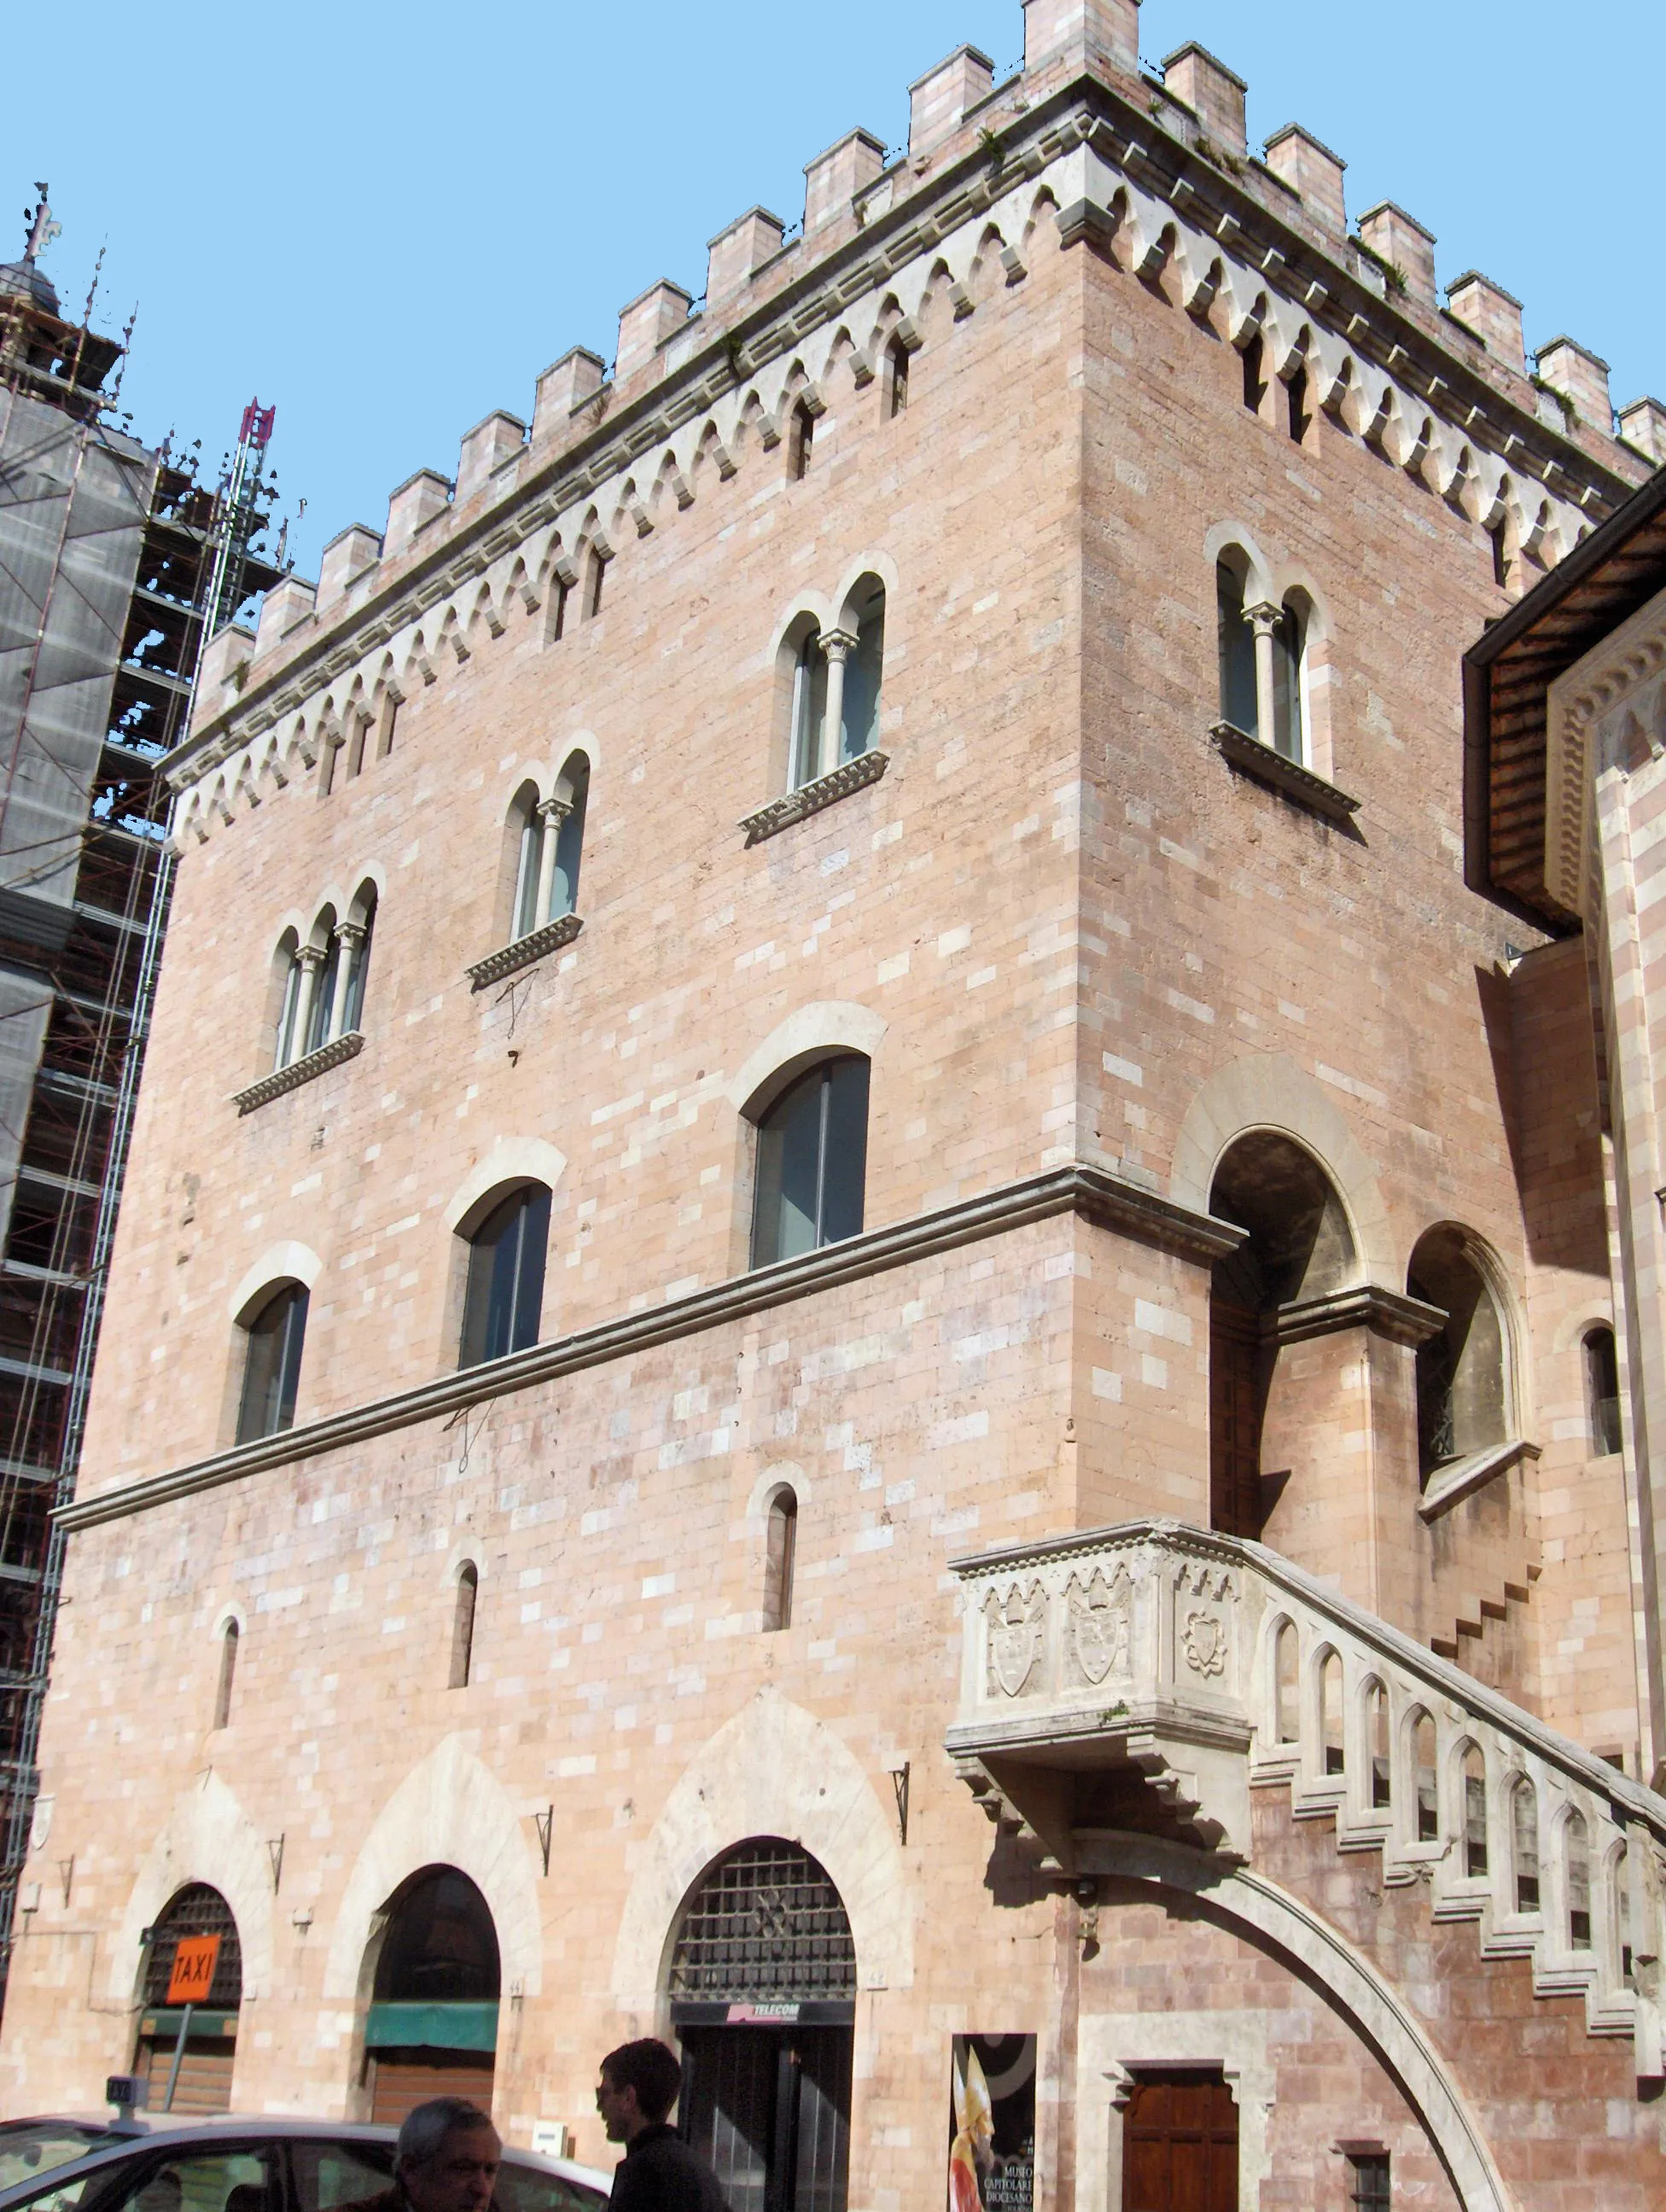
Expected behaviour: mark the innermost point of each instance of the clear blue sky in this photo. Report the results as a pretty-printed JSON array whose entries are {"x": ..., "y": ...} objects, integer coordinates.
[{"x": 388, "y": 219}]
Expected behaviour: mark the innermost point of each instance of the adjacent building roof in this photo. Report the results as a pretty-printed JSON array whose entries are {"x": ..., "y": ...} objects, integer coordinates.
[{"x": 1507, "y": 678}]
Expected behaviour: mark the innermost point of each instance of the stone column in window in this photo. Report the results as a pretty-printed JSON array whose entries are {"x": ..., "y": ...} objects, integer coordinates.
[
  {"x": 311, "y": 958},
  {"x": 1265, "y": 619},
  {"x": 838, "y": 645},
  {"x": 551, "y": 814},
  {"x": 350, "y": 937}
]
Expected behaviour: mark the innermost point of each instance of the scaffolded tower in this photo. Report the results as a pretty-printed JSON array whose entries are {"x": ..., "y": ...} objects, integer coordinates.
[{"x": 116, "y": 564}]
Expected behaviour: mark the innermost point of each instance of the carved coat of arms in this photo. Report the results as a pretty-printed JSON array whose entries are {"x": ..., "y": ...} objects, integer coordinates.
[
  {"x": 1204, "y": 1639},
  {"x": 1016, "y": 1629},
  {"x": 1099, "y": 1628}
]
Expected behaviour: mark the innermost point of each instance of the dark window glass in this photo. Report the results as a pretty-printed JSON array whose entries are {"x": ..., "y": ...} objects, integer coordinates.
[
  {"x": 1296, "y": 404},
  {"x": 1287, "y": 685},
  {"x": 1603, "y": 1390},
  {"x": 809, "y": 712},
  {"x": 506, "y": 1277},
  {"x": 860, "y": 722},
  {"x": 353, "y": 1012},
  {"x": 440, "y": 1946},
  {"x": 595, "y": 577},
  {"x": 812, "y": 1163},
  {"x": 1237, "y": 653},
  {"x": 896, "y": 366},
  {"x": 1501, "y": 556},
  {"x": 801, "y": 437},
  {"x": 1368, "y": 2181},
  {"x": 273, "y": 1367},
  {"x": 462, "y": 1627}
]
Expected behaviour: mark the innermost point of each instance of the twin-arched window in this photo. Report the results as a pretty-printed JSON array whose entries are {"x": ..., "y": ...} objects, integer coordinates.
[
  {"x": 324, "y": 979},
  {"x": 1263, "y": 650},
  {"x": 549, "y": 844},
  {"x": 836, "y": 687}
]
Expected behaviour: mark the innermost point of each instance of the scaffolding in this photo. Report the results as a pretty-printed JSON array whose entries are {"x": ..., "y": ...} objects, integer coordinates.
[{"x": 116, "y": 563}]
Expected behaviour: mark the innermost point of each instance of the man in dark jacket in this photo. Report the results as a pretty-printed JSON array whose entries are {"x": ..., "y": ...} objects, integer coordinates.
[{"x": 658, "y": 2172}]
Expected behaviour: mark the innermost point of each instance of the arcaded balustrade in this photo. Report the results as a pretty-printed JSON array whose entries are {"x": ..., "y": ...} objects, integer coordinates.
[{"x": 1210, "y": 1666}]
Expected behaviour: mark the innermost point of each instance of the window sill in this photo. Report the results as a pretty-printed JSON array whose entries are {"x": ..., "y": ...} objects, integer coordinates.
[
  {"x": 809, "y": 798},
  {"x": 1288, "y": 777},
  {"x": 318, "y": 1062},
  {"x": 510, "y": 959},
  {"x": 1462, "y": 1478}
]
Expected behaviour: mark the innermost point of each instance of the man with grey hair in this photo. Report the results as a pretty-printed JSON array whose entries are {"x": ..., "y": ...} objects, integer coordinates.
[{"x": 447, "y": 2160}]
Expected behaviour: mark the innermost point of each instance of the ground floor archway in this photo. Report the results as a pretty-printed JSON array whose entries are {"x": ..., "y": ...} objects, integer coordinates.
[
  {"x": 191, "y": 1993},
  {"x": 432, "y": 2028}
]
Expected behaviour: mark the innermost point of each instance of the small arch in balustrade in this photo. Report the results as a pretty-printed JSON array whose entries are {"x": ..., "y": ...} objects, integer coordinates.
[
  {"x": 1328, "y": 1684},
  {"x": 1375, "y": 1713},
  {"x": 1286, "y": 1683},
  {"x": 1422, "y": 1797},
  {"x": 1470, "y": 1771},
  {"x": 1576, "y": 1876},
  {"x": 1524, "y": 1802}
]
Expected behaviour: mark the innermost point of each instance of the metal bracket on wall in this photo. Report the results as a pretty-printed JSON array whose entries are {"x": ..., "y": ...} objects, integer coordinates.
[
  {"x": 275, "y": 1853},
  {"x": 899, "y": 1783},
  {"x": 545, "y": 1823}
]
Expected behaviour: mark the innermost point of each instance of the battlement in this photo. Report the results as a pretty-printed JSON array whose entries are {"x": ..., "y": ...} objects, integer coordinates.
[{"x": 1153, "y": 171}]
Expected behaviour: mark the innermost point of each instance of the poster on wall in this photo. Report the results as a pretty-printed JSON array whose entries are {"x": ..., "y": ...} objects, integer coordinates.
[{"x": 991, "y": 2124}]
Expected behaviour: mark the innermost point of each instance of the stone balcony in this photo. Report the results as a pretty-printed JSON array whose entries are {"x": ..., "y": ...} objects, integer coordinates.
[{"x": 1144, "y": 1680}]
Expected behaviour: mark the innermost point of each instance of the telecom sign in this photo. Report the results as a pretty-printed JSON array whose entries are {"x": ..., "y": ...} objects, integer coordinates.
[{"x": 194, "y": 1962}]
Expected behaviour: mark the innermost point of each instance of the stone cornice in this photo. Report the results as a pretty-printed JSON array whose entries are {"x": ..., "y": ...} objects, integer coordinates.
[
  {"x": 304, "y": 1070},
  {"x": 537, "y": 944},
  {"x": 1101, "y": 1198},
  {"x": 1151, "y": 151},
  {"x": 811, "y": 797},
  {"x": 1251, "y": 757},
  {"x": 1386, "y": 1313}
]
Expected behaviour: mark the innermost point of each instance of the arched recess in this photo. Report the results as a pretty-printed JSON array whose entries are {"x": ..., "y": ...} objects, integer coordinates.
[
  {"x": 188, "y": 2056},
  {"x": 433, "y": 2022},
  {"x": 285, "y": 1262},
  {"x": 773, "y": 1770},
  {"x": 511, "y": 1160},
  {"x": 450, "y": 1810},
  {"x": 1269, "y": 1091},
  {"x": 209, "y": 1838},
  {"x": 1271, "y": 1918},
  {"x": 810, "y": 1033}
]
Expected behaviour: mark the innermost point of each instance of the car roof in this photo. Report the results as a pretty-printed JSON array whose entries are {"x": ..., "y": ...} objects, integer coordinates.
[{"x": 123, "y": 2138}]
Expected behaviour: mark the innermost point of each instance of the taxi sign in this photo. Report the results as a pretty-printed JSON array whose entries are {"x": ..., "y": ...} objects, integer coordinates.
[{"x": 194, "y": 1961}]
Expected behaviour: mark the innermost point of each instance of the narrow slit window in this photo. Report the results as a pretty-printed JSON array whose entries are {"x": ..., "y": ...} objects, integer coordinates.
[
  {"x": 1524, "y": 1827},
  {"x": 1376, "y": 1741},
  {"x": 1577, "y": 1848},
  {"x": 390, "y": 725},
  {"x": 595, "y": 575},
  {"x": 1501, "y": 555},
  {"x": 1296, "y": 409},
  {"x": 462, "y": 1625},
  {"x": 781, "y": 1550},
  {"x": 229, "y": 1643},
  {"x": 1287, "y": 1667},
  {"x": 1331, "y": 1712},
  {"x": 272, "y": 1368},
  {"x": 1236, "y": 644},
  {"x": 800, "y": 439},
  {"x": 1475, "y": 1814},
  {"x": 1254, "y": 384},
  {"x": 1602, "y": 1391},
  {"x": 1423, "y": 1778},
  {"x": 896, "y": 378},
  {"x": 558, "y": 610}
]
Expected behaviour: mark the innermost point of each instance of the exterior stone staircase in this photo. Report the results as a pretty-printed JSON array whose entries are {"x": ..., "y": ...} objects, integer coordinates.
[{"x": 1190, "y": 1667}]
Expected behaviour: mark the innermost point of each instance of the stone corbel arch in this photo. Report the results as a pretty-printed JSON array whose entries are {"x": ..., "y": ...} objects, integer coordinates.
[
  {"x": 209, "y": 1838},
  {"x": 1269, "y": 1091},
  {"x": 773, "y": 1770},
  {"x": 450, "y": 1810},
  {"x": 1269, "y": 1918},
  {"x": 825, "y": 1025}
]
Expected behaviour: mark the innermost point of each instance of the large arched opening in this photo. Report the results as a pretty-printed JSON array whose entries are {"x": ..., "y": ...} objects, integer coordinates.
[
  {"x": 1263, "y": 1400},
  {"x": 192, "y": 1992},
  {"x": 432, "y": 2028},
  {"x": 762, "y": 1981}
]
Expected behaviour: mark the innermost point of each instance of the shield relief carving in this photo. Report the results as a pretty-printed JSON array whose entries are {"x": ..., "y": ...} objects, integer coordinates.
[
  {"x": 1017, "y": 1626},
  {"x": 1100, "y": 1627}
]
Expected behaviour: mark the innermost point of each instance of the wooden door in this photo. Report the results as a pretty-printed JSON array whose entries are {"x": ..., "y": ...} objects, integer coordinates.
[
  {"x": 1180, "y": 2144},
  {"x": 1235, "y": 1418},
  {"x": 204, "y": 2081},
  {"x": 400, "y": 2081}
]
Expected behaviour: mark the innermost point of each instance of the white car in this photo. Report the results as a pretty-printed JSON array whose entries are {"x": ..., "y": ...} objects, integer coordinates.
[{"x": 243, "y": 2163}]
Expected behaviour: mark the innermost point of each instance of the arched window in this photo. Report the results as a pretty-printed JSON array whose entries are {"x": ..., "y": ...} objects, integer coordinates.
[
  {"x": 462, "y": 1625},
  {"x": 324, "y": 985},
  {"x": 200, "y": 1916},
  {"x": 1577, "y": 1859},
  {"x": 800, "y": 438},
  {"x": 1524, "y": 1840},
  {"x": 859, "y": 717},
  {"x": 551, "y": 844},
  {"x": 504, "y": 1297},
  {"x": 290, "y": 1026},
  {"x": 1461, "y": 1396},
  {"x": 432, "y": 2027},
  {"x": 271, "y": 1366},
  {"x": 1474, "y": 1813},
  {"x": 1377, "y": 1745},
  {"x": 1296, "y": 416},
  {"x": 896, "y": 378},
  {"x": 1602, "y": 1391},
  {"x": 809, "y": 712},
  {"x": 765, "y": 1933},
  {"x": 1330, "y": 1713},
  {"x": 229, "y": 1637},
  {"x": 595, "y": 575},
  {"x": 781, "y": 1545},
  {"x": 1253, "y": 356},
  {"x": 813, "y": 1161},
  {"x": 1422, "y": 1733},
  {"x": 1262, "y": 659}
]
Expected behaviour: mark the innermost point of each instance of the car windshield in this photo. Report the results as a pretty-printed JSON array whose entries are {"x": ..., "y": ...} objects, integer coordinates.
[
  {"x": 530, "y": 2189},
  {"x": 37, "y": 2146}
]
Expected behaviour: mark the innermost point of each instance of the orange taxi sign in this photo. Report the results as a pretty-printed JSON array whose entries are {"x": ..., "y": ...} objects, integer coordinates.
[{"x": 194, "y": 1962}]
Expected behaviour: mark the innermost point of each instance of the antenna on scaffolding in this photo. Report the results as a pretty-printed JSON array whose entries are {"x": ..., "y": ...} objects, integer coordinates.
[{"x": 239, "y": 516}]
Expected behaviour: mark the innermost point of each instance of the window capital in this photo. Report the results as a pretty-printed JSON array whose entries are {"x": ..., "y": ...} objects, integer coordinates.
[
  {"x": 553, "y": 812},
  {"x": 838, "y": 644},
  {"x": 1264, "y": 616}
]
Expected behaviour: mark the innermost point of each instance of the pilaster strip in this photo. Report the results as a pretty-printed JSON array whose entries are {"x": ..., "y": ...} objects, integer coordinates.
[{"x": 1097, "y": 1195}]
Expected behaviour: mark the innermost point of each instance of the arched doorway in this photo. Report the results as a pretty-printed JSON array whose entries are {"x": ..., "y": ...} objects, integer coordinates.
[
  {"x": 193, "y": 1987},
  {"x": 1299, "y": 1248},
  {"x": 762, "y": 1989},
  {"x": 432, "y": 2029}
]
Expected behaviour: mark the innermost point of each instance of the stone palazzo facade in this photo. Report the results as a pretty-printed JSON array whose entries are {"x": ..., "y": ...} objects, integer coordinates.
[{"x": 861, "y": 1314}]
